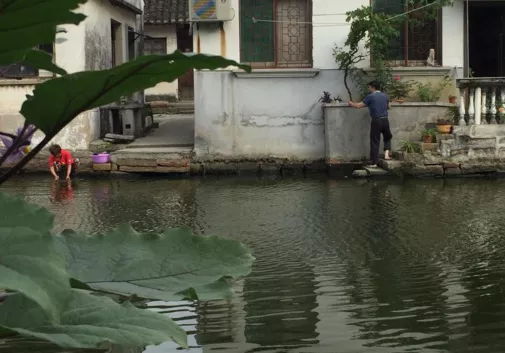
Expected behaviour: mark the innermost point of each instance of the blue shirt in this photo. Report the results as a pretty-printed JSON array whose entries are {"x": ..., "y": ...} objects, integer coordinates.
[{"x": 377, "y": 103}]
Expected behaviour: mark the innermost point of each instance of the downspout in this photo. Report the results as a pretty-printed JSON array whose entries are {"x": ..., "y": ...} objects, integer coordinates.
[{"x": 140, "y": 46}]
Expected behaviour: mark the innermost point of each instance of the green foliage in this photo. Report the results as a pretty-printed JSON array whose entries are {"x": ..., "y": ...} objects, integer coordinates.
[
  {"x": 88, "y": 321},
  {"x": 400, "y": 88},
  {"x": 429, "y": 93},
  {"x": 39, "y": 269},
  {"x": 452, "y": 114},
  {"x": 410, "y": 146},
  {"x": 429, "y": 132},
  {"x": 370, "y": 35},
  {"x": 50, "y": 110},
  {"x": 178, "y": 261}
]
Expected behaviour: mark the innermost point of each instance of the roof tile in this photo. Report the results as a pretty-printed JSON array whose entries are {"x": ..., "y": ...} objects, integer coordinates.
[{"x": 160, "y": 12}]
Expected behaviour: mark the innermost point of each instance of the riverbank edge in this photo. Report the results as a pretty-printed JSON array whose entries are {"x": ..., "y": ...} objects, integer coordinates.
[{"x": 189, "y": 166}]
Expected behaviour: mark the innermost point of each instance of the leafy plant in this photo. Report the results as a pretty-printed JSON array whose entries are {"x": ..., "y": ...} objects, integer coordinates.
[
  {"x": 327, "y": 98},
  {"x": 370, "y": 35},
  {"x": 452, "y": 114},
  {"x": 410, "y": 146},
  {"x": 429, "y": 93},
  {"x": 442, "y": 121},
  {"x": 400, "y": 88},
  {"x": 53, "y": 284},
  {"x": 429, "y": 133}
]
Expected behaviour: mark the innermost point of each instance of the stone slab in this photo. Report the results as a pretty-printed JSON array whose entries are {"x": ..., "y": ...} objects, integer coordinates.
[
  {"x": 391, "y": 165},
  {"x": 375, "y": 171},
  {"x": 165, "y": 170},
  {"x": 452, "y": 171},
  {"x": 136, "y": 162},
  {"x": 360, "y": 173},
  {"x": 177, "y": 163},
  {"x": 102, "y": 167}
]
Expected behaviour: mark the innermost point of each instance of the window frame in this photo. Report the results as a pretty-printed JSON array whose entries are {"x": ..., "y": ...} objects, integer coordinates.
[
  {"x": 36, "y": 72},
  {"x": 405, "y": 62},
  {"x": 164, "y": 39},
  {"x": 275, "y": 64}
]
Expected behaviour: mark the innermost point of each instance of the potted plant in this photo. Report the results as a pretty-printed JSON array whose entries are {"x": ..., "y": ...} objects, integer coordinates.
[
  {"x": 429, "y": 135},
  {"x": 452, "y": 99},
  {"x": 444, "y": 126},
  {"x": 452, "y": 114}
]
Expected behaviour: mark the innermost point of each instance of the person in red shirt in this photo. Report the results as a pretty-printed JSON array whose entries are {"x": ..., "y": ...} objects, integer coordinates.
[{"x": 61, "y": 163}]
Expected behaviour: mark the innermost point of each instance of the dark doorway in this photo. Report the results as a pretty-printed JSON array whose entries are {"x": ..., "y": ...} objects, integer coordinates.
[
  {"x": 185, "y": 44},
  {"x": 486, "y": 30}
]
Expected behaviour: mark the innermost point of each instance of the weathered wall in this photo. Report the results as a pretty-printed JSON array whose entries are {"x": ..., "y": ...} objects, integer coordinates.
[
  {"x": 347, "y": 129},
  {"x": 87, "y": 47},
  {"x": 163, "y": 89},
  {"x": 262, "y": 115}
]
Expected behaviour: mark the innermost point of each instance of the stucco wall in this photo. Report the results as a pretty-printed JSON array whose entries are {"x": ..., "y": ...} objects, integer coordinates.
[
  {"x": 347, "y": 129},
  {"x": 261, "y": 117},
  {"x": 168, "y": 32},
  {"x": 87, "y": 47}
]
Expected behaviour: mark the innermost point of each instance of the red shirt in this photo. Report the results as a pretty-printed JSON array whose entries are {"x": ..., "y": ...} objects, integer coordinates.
[{"x": 65, "y": 159}]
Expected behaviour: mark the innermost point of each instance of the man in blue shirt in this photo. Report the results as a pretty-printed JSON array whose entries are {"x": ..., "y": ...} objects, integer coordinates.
[{"x": 378, "y": 104}]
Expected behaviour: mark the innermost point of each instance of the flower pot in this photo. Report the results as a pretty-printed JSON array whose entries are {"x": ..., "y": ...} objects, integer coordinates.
[
  {"x": 428, "y": 139},
  {"x": 452, "y": 99},
  {"x": 444, "y": 128},
  {"x": 100, "y": 158}
]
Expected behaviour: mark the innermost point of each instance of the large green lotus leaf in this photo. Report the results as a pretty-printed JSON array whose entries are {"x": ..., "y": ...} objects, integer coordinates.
[
  {"x": 56, "y": 102},
  {"x": 34, "y": 58},
  {"x": 29, "y": 262},
  {"x": 16, "y": 212},
  {"x": 89, "y": 321},
  {"x": 171, "y": 265},
  {"x": 27, "y": 23}
]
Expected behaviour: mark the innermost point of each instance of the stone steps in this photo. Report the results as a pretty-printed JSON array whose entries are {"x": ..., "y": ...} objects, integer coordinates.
[
  {"x": 369, "y": 172},
  {"x": 152, "y": 160}
]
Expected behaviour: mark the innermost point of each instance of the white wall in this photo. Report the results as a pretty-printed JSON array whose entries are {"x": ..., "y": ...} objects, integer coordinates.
[
  {"x": 168, "y": 32},
  {"x": 453, "y": 34},
  {"x": 87, "y": 47}
]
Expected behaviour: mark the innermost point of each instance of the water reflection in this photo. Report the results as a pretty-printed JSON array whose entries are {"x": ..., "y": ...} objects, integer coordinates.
[{"x": 341, "y": 265}]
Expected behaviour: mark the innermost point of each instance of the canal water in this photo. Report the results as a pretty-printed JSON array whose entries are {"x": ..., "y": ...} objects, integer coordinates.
[{"x": 341, "y": 266}]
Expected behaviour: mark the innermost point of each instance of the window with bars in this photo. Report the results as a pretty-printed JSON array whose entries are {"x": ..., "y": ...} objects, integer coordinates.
[
  {"x": 155, "y": 46},
  {"x": 19, "y": 71},
  {"x": 413, "y": 45},
  {"x": 276, "y": 33}
]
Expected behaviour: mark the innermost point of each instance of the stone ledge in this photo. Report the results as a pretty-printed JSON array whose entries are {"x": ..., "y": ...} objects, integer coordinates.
[{"x": 277, "y": 73}]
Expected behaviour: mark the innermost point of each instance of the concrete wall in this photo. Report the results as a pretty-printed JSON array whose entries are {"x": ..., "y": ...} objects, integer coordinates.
[
  {"x": 347, "y": 129},
  {"x": 261, "y": 116},
  {"x": 163, "y": 89},
  {"x": 87, "y": 47}
]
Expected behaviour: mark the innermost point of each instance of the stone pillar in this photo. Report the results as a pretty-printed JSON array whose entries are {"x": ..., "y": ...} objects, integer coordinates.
[
  {"x": 478, "y": 105},
  {"x": 462, "y": 110},
  {"x": 484, "y": 107},
  {"x": 493, "y": 105},
  {"x": 471, "y": 107}
]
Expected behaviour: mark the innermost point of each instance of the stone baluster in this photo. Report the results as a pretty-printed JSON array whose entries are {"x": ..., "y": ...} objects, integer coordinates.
[
  {"x": 478, "y": 105},
  {"x": 493, "y": 105},
  {"x": 471, "y": 107},
  {"x": 462, "y": 110},
  {"x": 484, "y": 107}
]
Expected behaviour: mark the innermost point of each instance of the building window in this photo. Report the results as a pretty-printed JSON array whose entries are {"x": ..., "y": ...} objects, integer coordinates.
[
  {"x": 19, "y": 71},
  {"x": 276, "y": 33},
  {"x": 155, "y": 46},
  {"x": 413, "y": 45}
]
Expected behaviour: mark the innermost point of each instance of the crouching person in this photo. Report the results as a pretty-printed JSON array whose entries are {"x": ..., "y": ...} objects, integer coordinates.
[{"x": 61, "y": 163}]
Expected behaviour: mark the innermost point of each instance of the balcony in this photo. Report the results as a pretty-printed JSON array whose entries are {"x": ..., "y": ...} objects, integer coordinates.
[{"x": 481, "y": 101}]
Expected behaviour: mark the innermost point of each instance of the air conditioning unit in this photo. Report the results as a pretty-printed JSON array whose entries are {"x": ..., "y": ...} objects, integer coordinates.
[{"x": 210, "y": 10}]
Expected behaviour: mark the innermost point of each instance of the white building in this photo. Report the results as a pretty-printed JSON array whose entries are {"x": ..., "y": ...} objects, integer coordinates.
[
  {"x": 107, "y": 37},
  {"x": 167, "y": 29}
]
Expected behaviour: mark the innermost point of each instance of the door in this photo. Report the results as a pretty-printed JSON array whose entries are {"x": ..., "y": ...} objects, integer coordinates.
[{"x": 186, "y": 82}]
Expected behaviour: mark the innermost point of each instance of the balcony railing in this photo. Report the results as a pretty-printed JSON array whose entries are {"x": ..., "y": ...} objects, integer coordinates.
[{"x": 481, "y": 101}]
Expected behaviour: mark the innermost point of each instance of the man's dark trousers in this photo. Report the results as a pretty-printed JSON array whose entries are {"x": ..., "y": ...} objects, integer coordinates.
[{"x": 379, "y": 126}]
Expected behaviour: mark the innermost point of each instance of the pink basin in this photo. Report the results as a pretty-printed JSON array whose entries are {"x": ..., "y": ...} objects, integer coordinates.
[{"x": 100, "y": 158}]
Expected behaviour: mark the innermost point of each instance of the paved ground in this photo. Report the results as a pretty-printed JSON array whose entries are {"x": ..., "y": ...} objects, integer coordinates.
[{"x": 174, "y": 131}]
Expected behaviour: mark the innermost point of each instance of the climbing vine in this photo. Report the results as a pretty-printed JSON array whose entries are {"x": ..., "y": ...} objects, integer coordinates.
[{"x": 370, "y": 34}]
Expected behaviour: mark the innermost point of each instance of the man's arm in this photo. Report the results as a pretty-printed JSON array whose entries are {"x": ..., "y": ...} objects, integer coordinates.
[
  {"x": 53, "y": 172},
  {"x": 69, "y": 170},
  {"x": 357, "y": 105},
  {"x": 69, "y": 162}
]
